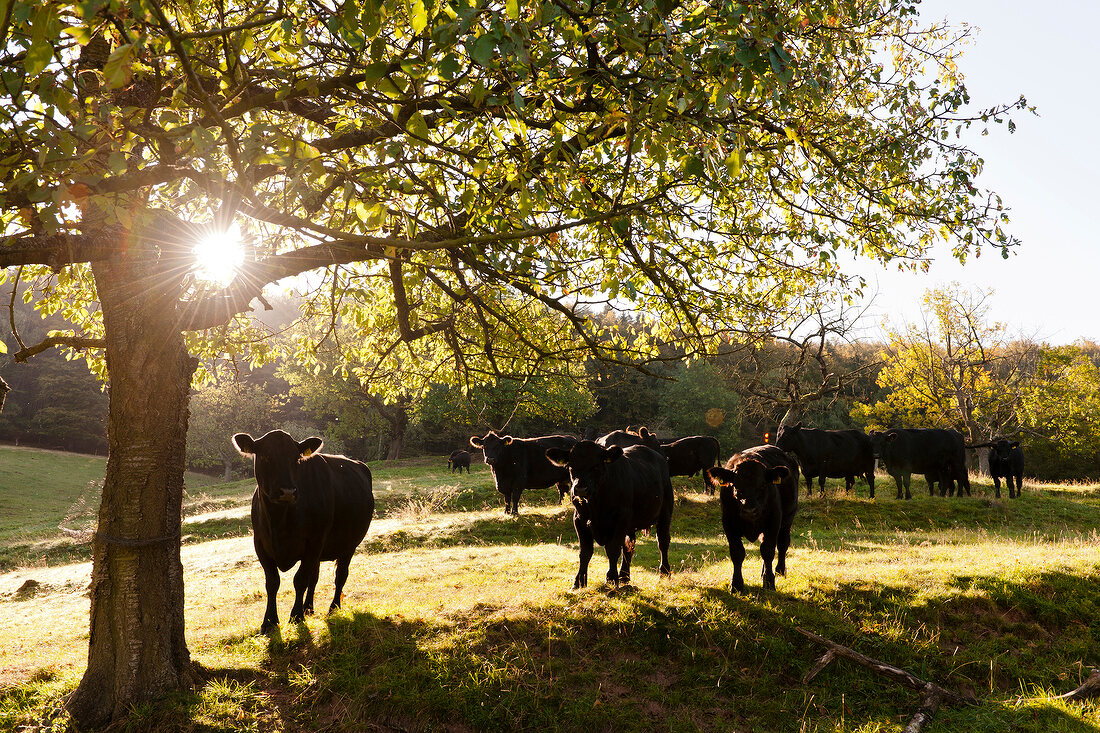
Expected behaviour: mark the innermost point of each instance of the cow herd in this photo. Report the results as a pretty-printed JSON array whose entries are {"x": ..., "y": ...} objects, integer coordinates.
[{"x": 309, "y": 507}]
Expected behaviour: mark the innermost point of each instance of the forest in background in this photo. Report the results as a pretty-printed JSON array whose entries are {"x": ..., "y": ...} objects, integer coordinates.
[{"x": 957, "y": 370}]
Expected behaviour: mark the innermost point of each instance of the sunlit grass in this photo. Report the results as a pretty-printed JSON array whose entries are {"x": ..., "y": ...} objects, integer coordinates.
[{"x": 458, "y": 616}]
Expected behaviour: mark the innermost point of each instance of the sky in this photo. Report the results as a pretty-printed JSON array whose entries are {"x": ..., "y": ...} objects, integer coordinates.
[{"x": 1047, "y": 172}]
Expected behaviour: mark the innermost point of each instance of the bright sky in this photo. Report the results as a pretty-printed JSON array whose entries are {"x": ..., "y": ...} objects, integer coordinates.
[{"x": 1047, "y": 172}]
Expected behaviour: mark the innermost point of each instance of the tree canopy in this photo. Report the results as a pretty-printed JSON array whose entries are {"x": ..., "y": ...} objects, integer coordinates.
[
  {"x": 443, "y": 178},
  {"x": 457, "y": 163}
]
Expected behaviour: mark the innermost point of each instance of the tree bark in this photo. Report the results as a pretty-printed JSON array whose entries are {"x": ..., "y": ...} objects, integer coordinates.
[{"x": 137, "y": 650}]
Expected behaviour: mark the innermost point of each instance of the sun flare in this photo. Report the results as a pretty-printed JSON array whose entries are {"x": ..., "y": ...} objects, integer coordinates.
[{"x": 218, "y": 256}]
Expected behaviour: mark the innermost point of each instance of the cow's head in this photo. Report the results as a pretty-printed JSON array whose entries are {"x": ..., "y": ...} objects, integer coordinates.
[
  {"x": 879, "y": 438},
  {"x": 493, "y": 446},
  {"x": 587, "y": 462},
  {"x": 277, "y": 458},
  {"x": 648, "y": 439},
  {"x": 1003, "y": 448},
  {"x": 786, "y": 438},
  {"x": 750, "y": 482}
]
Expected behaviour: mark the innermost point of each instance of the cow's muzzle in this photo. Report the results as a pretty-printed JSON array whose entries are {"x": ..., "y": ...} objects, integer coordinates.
[{"x": 287, "y": 496}]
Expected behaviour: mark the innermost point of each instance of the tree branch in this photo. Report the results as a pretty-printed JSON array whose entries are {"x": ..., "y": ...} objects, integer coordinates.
[{"x": 76, "y": 342}]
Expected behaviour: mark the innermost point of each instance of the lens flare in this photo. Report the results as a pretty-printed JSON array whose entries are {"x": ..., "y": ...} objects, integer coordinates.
[{"x": 218, "y": 256}]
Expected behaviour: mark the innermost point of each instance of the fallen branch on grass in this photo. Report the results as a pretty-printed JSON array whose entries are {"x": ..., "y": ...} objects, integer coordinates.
[
  {"x": 931, "y": 694},
  {"x": 1091, "y": 688}
]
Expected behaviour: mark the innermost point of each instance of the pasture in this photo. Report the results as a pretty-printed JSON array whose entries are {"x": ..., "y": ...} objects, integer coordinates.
[{"x": 457, "y": 617}]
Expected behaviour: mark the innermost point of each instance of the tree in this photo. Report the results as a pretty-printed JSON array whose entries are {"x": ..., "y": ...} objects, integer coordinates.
[
  {"x": 955, "y": 370},
  {"x": 699, "y": 402},
  {"x": 1061, "y": 411},
  {"x": 220, "y": 410},
  {"x": 450, "y": 173}
]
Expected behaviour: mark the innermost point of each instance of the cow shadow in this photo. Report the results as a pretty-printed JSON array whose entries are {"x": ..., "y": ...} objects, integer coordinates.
[
  {"x": 992, "y": 642},
  {"x": 485, "y": 668}
]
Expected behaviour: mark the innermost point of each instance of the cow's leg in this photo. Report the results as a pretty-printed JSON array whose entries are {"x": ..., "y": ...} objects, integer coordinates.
[
  {"x": 271, "y": 584},
  {"x": 821, "y": 484},
  {"x": 304, "y": 582},
  {"x": 870, "y": 476},
  {"x": 584, "y": 537},
  {"x": 767, "y": 554},
  {"x": 997, "y": 485},
  {"x": 515, "y": 502},
  {"x": 782, "y": 543},
  {"x": 629, "y": 544},
  {"x": 342, "y": 564},
  {"x": 809, "y": 485},
  {"x": 964, "y": 482},
  {"x": 1019, "y": 486},
  {"x": 664, "y": 538},
  {"x": 732, "y": 529}
]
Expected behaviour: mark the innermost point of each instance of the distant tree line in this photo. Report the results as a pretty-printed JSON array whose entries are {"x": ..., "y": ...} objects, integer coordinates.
[{"x": 956, "y": 370}]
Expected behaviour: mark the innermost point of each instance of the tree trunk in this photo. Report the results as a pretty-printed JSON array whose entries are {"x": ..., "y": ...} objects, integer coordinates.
[
  {"x": 137, "y": 651},
  {"x": 228, "y": 474}
]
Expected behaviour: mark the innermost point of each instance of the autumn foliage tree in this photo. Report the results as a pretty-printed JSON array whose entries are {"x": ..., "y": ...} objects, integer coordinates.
[
  {"x": 956, "y": 369},
  {"x": 441, "y": 169}
]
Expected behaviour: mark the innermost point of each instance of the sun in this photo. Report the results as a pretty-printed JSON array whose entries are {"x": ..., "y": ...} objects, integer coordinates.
[{"x": 218, "y": 256}]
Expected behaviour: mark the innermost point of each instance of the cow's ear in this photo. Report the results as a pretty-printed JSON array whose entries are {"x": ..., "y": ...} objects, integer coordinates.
[
  {"x": 1015, "y": 444},
  {"x": 777, "y": 474},
  {"x": 309, "y": 446},
  {"x": 244, "y": 444},
  {"x": 891, "y": 436},
  {"x": 644, "y": 432},
  {"x": 612, "y": 454},
  {"x": 797, "y": 425},
  {"x": 476, "y": 442},
  {"x": 713, "y": 477},
  {"x": 558, "y": 456},
  {"x": 508, "y": 439}
]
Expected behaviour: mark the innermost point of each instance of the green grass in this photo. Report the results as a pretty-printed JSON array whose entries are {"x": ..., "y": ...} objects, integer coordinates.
[{"x": 457, "y": 617}]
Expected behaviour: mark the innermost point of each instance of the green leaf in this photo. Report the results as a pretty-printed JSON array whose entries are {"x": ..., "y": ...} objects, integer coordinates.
[
  {"x": 119, "y": 68},
  {"x": 417, "y": 127},
  {"x": 117, "y": 163},
  {"x": 482, "y": 50},
  {"x": 512, "y": 8},
  {"x": 418, "y": 15}
]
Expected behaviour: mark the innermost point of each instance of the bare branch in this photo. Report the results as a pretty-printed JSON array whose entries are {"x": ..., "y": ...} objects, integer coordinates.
[{"x": 76, "y": 342}]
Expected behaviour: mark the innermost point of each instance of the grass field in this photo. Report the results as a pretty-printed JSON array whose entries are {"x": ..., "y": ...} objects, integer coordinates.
[{"x": 459, "y": 618}]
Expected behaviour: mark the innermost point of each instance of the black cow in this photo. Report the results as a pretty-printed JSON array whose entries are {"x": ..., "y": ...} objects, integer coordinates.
[
  {"x": 616, "y": 492},
  {"x": 829, "y": 454},
  {"x": 520, "y": 463},
  {"x": 308, "y": 507},
  {"x": 758, "y": 488},
  {"x": 628, "y": 437},
  {"x": 938, "y": 454},
  {"x": 1006, "y": 460},
  {"x": 458, "y": 460},
  {"x": 689, "y": 455}
]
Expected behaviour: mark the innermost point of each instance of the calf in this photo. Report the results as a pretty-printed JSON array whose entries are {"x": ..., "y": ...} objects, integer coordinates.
[
  {"x": 307, "y": 507},
  {"x": 939, "y": 454},
  {"x": 829, "y": 454},
  {"x": 616, "y": 492},
  {"x": 758, "y": 488},
  {"x": 520, "y": 463},
  {"x": 1006, "y": 460},
  {"x": 689, "y": 455},
  {"x": 458, "y": 460}
]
